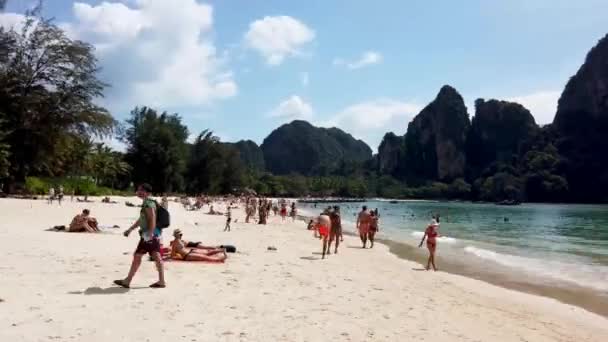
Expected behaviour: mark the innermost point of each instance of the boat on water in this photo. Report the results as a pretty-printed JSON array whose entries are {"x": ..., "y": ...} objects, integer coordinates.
[{"x": 508, "y": 202}]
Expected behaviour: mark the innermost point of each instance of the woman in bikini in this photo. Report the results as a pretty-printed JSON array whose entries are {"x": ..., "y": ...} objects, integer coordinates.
[
  {"x": 194, "y": 251},
  {"x": 431, "y": 234}
]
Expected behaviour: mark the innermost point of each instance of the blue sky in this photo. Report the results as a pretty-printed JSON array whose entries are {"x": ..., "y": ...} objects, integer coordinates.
[{"x": 242, "y": 68}]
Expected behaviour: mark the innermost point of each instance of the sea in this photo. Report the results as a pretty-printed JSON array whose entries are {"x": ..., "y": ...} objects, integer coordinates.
[{"x": 554, "y": 250}]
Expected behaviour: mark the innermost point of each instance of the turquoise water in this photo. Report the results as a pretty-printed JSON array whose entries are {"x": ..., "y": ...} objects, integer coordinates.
[{"x": 549, "y": 244}]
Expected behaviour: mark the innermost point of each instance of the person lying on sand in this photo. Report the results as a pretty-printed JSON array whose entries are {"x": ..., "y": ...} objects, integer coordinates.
[
  {"x": 108, "y": 200},
  {"x": 182, "y": 250},
  {"x": 83, "y": 223},
  {"x": 214, "y": 212}
]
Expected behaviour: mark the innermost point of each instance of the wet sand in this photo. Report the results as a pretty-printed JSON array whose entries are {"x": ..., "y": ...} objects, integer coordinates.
[{"x": 594, "y": 301}]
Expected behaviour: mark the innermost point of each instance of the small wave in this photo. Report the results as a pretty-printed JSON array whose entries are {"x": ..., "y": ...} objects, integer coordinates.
[
  {"x": 595, "y": 277},
  {"x": 441, "y": 239}
]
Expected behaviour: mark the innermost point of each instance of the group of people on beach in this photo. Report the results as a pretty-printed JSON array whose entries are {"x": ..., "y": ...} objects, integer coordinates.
[
  {"x": 55, "y": 194},
  {"x": 264, "y": 206},
  {"x": 328, "y": 227}
]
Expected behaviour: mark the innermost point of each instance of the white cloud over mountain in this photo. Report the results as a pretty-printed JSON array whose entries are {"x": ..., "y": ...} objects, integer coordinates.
[
  {"x": 277, "y": 38},
  {"x": 293, "y": 108},
  {"x": 542, "y": 105},
  {"x": 370, "y": 120}
]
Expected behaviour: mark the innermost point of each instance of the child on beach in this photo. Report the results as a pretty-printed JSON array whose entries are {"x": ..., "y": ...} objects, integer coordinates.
[{"x": 228, "y": 219}]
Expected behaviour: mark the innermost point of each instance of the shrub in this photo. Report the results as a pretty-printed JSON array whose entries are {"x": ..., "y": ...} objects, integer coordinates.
[{"x": 36, "y": 186}]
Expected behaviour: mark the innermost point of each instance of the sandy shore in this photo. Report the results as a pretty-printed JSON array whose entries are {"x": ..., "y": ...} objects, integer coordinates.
[{"x": 58, "y": 286}]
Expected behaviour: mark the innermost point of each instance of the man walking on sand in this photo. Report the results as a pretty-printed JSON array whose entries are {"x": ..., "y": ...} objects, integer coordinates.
[
  {"x": 363, "y": 222},
  {"x": 149, "y": 241},
  {"x": 323, "y": 225},
  {"x": 336, "y": 229}
]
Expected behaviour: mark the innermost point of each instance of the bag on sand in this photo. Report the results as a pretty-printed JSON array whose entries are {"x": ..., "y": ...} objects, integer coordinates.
[{"x": 229, "y": 248}]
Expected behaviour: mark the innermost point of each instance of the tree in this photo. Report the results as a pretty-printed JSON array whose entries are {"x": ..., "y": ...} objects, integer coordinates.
[
  {"x": 214, "y": 167},
  {"x": 4, "y": 151},
  {"x": 48, "y": 84},
  {"x": 156, "y": 149}
]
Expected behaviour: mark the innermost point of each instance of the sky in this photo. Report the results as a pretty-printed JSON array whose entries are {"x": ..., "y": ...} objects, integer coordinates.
[{"x": 242, "y": 68}]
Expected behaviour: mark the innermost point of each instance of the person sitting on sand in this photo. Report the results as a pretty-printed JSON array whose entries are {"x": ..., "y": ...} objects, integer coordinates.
[
  {"x": 431, "y": 234},
  {"x": 180, "y": 250},
  {"x": 108, "y": 200},
  {"x": 83, "y": 223}
]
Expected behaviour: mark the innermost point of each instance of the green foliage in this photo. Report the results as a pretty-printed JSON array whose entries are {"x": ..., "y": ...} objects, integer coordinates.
[
  {"x": 156, "y": 149},
  {"x": 48, "y": 85},
  {"x": 81, "y": 186},
  {"x": 36, "y": 186},
  {"x": 4, "y": 151},
  {"x": 214, "y": 167}
]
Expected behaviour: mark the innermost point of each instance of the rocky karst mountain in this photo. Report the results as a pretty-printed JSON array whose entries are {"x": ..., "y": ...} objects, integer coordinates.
[
  {"x": 498, "y": 132},
  {"x": 391, "y": 154},
  {"x": 435, "y": 139},
  {"x": 299, "y": 147},
  {"x": 581, "y": 124},
  {"x": 251, "y": 154}
]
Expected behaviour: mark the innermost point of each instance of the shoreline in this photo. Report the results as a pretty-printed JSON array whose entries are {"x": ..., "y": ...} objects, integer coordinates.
[{"x": 591, "y": 300}]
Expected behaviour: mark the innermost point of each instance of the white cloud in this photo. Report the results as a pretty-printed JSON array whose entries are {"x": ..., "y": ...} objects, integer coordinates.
[
  {"x": 277, "y": 38},
  {"x": 293, "y": 108},
  {"x": 366, "y": 59},
  {"x": 304, "y": 79},
  {"x": 12, "y": 20},
  {"x": 370, "y": 120},
  {"x": 154, "y": 52},
  {"x": 542, "y": 105}
]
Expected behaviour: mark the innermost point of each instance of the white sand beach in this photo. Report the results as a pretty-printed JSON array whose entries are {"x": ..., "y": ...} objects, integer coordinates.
[{"x": 57, "y": 286}]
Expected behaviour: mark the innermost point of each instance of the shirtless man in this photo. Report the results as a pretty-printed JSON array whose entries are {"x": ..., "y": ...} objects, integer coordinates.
[
  {"x": 363, "y": 223},
  {"x": 336, "y": 229},
  {"x": 323, "y": 226},
  {"x": 373, "y": 227},
  {"x": 83, "y": 223}
]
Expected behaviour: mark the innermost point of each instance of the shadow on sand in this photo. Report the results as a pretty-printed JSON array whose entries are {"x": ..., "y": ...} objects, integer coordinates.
[{"x": 107, "y": 291}]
